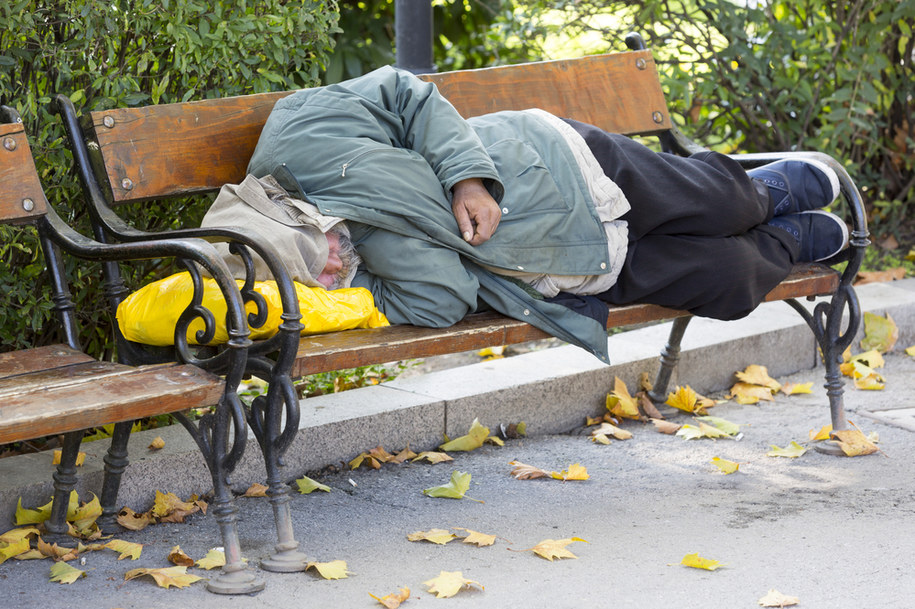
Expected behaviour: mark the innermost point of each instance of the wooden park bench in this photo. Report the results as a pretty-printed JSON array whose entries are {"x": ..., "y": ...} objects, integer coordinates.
[
  {"x": 59, "y": 389},
  {"x": 131, "y": 155}
]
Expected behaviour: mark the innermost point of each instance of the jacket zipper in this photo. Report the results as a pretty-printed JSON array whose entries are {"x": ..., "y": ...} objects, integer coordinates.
[{"x": 356, "y": 158}]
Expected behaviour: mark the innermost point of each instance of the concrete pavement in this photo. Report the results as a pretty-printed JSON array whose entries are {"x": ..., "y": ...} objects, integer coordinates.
[{"x": 833, "y": 531}]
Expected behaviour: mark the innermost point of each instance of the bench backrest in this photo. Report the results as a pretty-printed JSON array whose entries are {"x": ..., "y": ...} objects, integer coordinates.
[
  {"x": 22, "y": 198},
  {"x": 166, "y": 150}
]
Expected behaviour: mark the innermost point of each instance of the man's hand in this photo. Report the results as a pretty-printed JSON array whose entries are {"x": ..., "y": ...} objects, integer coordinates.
[{"x": 476, "y": 212}]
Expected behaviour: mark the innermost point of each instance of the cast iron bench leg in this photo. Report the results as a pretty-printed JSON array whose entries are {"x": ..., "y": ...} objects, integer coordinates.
[
  {"x": 115, "y": 464},
  {"x": 669, "y": 358},
  {"x": 64, "y": 482}
]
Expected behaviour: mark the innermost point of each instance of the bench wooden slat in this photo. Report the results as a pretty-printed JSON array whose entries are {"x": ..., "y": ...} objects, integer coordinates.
[
  {"x": 60, "y": 376},
  {"x": 353, "y": 348},
  {"x": 618, "y": 92},
  {"x": 160, "y": 151},
  {"x": 45, "y": 408},
  {"x": 21, "y": 195},
  {"x": 40, "y": 358}
]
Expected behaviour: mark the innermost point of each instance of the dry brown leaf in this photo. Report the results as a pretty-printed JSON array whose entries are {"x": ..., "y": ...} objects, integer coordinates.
[
  {"x": 854, "y": 443},
  {"x": 433, "y": 457},
  {"x": 523, "y": 471},
  {"x": 133, "y": 521},
  {"x": 393, "y": 600},
  {"x": 55, "y": 552},
  {"x": 256, "y": 490},
  {"x": 404, "y": 455},
  {"x": 178, "y": 557},
  {"x": 606, "y": 429},
  {"x": 165, "y": 577},
  {"x": 665, "y": 426},
  {"x": 894, "y": 274},
  {"x": 647, "y": 406}
]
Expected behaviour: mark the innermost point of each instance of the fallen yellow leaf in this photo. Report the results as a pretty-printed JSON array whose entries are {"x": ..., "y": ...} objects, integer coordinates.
[
  {"x": 728, "y": 467},
  {"x": 665, "y": 426},
  {"x": 449, "y": 583},
  {"x": 691, "y": 432},
  {"x": 686, "y": 399},
  {"x": 492, "y": 353},
  {"x": 214, "y": 558},
  {"x": 601, "y": 439},
  {"x": 759, "y": 375},
  {"x": 454, "y": 489},
  {"x": 797, "y": 388},
  {"x": 477, "y": 538},
  {"x": 439, "y": 536},
  {"x": 127, "y": 549},
  {"x": 746, "y": 393},
  {"x": 307, "y": 485},
  {"x": 854, "y": 443},
  {"x": 256, "y": 490},
  {"x": 620, "y": 403},
  {"x": 792, "y": 451},
  {"x": 165, "y": 577},
  {"x": 880, "y": 333},
  {"x": 910, "y": 351},
  {"x": 58, "y": 455},
  {"x": 697, "y": 562},
  {"x": 54, "y": 551},
  {"x": 393, "y": 600},
  {"x": 178, "y": 557},
  {"x": 335, "y": 569},
  {"x": 576, "y": 471},
  {"x": 433, "y": 457},
  {"x": 168, "y": 505},
  {"x": 133, "y": 521},
  {"x": 18, "y": 534},
  {"x": 63, "y": 573},
  {"x": 403, "y": 455},
  {"x": 8, "y": 549},
  {"x": 553, "y": 548},
  {"x": 774, "y": 598},
  {"x": 823, "y": 434},
  {"x": 607, "y": 429},
  {"x": 472, "y": 441},
  {"x": 157, "y": 444}
]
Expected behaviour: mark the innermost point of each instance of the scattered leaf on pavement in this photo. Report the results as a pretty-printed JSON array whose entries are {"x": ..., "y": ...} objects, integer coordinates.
[
  {"x": 523, "y": 471},
  {"x": 576, "y": 471},
  {"x": 439, "y": 536},
  {"x": 449, "y": 583},
  {"x": 774, "y": 598},
  {"x": 553, "y": 548},
  {"x": 307, "y": 485},
  {"x": 165, "y": 577},
  {"x": 731, "y": 429},
  {"x": 454, "y": 489},
  {"x": 687, "y": 400},
  {"x": 133, "y": 521},
  {"x": 433, "y": 457},
  {"x": 797, "y": 388},
  {"x": 665, "y": 426},
  {"x": 13, "y": 548},
  {"x": 620, "y": 403},
  {"x": 335, "y": 569},
  {"x": 178, "y": 557},
  {"x": 747, "y": 393},
  {"x": 127, "y": 549},
  {"x": 393, "y": 600},
  {"x": 472, "y": 441},
  {"x": 823, "y": 434},
  {"x": 63, "y": 573},
  {"x": 691, "y": 432},
  {"x": 256, "y": 490},
  {"x": 792, "y": 451},
  {"x": 477, "y": 538},
  {"x": 854, "y": 443},
  {"x": 880, "y": 333},
  {"x": 404, "y": 455},
  {"x": 697, "y": 562},
  {"x": 728, "y": 467},
  {"x": 607, "y": 429},
  {"x": 214, "y": 558},
  {"x": 758, "y": 375},
  {"x": 157, "y": 444}
]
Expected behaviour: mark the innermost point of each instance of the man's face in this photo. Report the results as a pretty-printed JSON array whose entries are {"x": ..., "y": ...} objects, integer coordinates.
[{"x": 334, "y": 263}]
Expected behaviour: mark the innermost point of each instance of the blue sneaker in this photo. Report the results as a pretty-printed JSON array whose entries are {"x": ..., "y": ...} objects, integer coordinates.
[
  {"x": 798, "y": 185},
  {"x": 820, "y": 234}
]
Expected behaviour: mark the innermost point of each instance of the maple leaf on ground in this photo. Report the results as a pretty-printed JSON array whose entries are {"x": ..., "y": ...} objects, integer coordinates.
[
  {"x": 647, "y": 406},
  {"x": 691, "y": 432},
  {"x": 576, "y": 471},
  {"x": 165, "y": 577},
  {"x": 365, "y": 458},
  {"x": 746, "y": 393},
  {"x": 687, "y": 400},
  {"x": 854, "y": 443},
  {"x": 169, "y": 508},
  {"x": 178, "y": 557},
  {"x": 620, "y": 403},
  {"x": 439, "y": 536},
  {"x": 666, "y": 426},
  {"x": 697, "y": 562},
  {"x": 133, "y": 521},
  {"x": 18, "y": 534},
  {"x": 63, "y": 573},
  {"x": 335, "y": 569},
  {"x": 823, "y": 434},
  {"x": 256, "y": 490},
  {"x": 214, "y": 558},
  {"x": 449, "y": 583},
  {"x": 523, "y": 471},
  {"x": 792, "y": 451},
  {"x": 607, "y": 429},
  {"x": 601, "y": 439},
  {"x": 454, "y": 489},
  {"x": 477, "y": 538},
  {"x": 393, "y": 600},
  {"x": 728, "y": 467},
  {"x": 126, "y": 549},
  {"x": 8, "y": 549},
  {"x": 307, "y": 485},
  {"x": 433, "y": 457},
  {"x": 404, "y": 455},
  {"x": 774, "y": 598},
  {"x": 880, "y": 333},
  {"x": 758, "y": 375},
  {"x": 55, "y": 552},
  {"x": 731, "y": 429},
  {"x": 553, "y": 548},
  {"x": 471, "y": 441},
  {"x": 797, "y": 388}
]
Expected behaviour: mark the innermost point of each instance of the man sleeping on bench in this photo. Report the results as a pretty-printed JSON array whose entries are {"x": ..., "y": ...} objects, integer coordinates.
[{"x": 540, "y": 218}]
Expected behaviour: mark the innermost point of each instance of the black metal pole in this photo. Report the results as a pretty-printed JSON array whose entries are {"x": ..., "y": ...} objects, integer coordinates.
[{"x": 413, "y": 35}]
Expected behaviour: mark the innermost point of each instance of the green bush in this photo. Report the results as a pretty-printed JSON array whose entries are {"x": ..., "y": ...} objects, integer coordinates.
[{"x": 127, "y": 53}]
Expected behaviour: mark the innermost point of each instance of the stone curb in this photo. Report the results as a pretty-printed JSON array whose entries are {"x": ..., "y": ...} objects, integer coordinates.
[{"x": 552, "y": 391}]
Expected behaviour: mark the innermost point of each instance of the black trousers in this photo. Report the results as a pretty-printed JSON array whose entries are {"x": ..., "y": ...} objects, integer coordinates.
[{"x": 697, "y": 234}]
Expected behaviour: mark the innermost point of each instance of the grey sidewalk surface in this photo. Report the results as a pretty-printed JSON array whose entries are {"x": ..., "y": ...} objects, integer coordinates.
[{"x": 832, "y": 531}]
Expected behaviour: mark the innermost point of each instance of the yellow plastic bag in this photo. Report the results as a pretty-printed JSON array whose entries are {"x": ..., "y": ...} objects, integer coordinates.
[{"x": 149, "y": 315}]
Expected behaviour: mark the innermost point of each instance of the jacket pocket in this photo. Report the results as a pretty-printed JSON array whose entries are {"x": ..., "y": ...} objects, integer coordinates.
[{"x": 530, "y": 187}]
